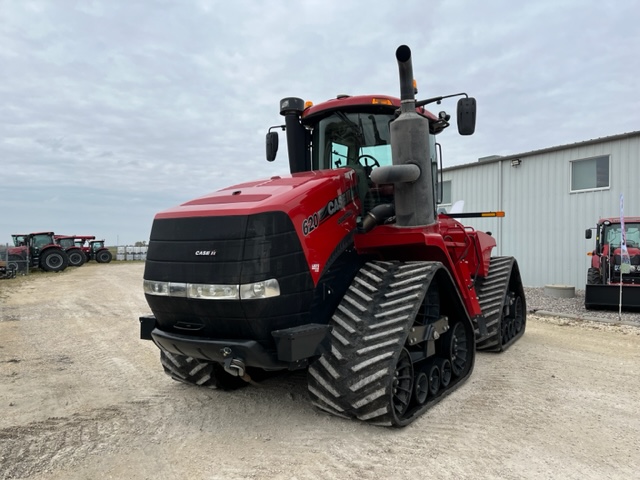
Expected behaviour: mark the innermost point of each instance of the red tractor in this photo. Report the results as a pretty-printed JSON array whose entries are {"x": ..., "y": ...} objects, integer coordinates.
[
  {"x": 37, "y": 250},
  {"x": 76, "y": 256},
  {"x": 613, "y": 280},
  {"x": 93, "y": 249},
  {"x": 343, "y": 268}
]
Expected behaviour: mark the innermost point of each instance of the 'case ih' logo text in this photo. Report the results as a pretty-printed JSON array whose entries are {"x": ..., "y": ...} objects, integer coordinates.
[
  {"x": 314, "y": 220},
  {"x": 206, "y": 252}
]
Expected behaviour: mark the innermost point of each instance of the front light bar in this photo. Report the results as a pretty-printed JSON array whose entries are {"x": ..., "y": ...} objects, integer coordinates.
[{"x": 204, "y": 291}]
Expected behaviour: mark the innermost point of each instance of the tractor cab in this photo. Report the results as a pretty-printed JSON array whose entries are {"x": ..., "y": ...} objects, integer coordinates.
[
  {"x": 39, "y": 241},
  {"x": 96, "y": 245},
  {"x": 355, "y": 132},
  {"x": 65, "y": 242},
  {"x": 20, "y": 240}
]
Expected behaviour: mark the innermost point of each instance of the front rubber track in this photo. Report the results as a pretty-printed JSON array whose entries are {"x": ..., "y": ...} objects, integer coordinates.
[
  {"x": 363, "y": 375},
  {"x": 502, "y": 300}
]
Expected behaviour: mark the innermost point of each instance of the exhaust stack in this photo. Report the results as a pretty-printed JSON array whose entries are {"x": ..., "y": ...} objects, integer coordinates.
[{"x": 410, "y": 151}]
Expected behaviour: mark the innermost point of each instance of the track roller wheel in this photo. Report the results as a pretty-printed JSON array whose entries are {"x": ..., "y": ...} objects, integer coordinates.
[
  {"x": 444, "y": 366},
  {"x": 421, "y": 388},
  {"x": 433, "y": 374},
  {"x": 402, "y": 385}
]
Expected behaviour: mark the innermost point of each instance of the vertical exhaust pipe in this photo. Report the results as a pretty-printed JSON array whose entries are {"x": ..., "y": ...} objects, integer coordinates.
[
  {"x": 414, "y": 199},
  {"x": 405, "y": 68}
]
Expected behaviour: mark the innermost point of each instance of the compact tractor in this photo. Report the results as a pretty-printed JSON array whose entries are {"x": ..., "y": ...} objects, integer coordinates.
[
  {"x": 37, "y": 250},
  {"x": 76, "y": 256},
  {"x": 343, "y": 268},
  {"x": 93, "y": 249},
  {"x": 613, "y": 279}
]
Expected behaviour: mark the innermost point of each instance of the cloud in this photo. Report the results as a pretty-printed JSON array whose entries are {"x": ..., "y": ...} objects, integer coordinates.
[{"x": 162, "y": 100}]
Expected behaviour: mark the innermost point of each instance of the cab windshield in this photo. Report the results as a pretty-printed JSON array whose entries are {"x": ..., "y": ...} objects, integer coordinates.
[
  {"x": 351, "y": 139},
  {"x": 613, "y": 235}
]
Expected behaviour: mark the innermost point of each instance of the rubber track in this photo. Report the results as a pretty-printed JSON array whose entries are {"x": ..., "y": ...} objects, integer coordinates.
[
  {"x": 491, "y": 292},
  {"x": 370, "y": 326},
  {"x": 187, "y": 369},
  {"x": 199, "y": 373}
]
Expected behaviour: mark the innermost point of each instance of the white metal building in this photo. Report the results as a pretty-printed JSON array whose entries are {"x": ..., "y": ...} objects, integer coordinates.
[{"x": 550, "y": 197}]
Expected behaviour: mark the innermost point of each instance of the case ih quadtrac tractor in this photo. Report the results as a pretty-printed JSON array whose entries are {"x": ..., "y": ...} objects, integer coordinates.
[
  {"x": 342, "y": 267},
  {"x": 605, "y": 277},
  {"x": 38, "y": 250}
]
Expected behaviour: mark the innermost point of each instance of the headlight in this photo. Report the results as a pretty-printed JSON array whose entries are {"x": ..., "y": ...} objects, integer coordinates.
[
  {"x": 169, "y": 289},
  {"x": 213, "y": 292},
  {"x": 156, "y": 288},
  {"x": 268, "y": 288},
  {"x": 204, "y": 291}
]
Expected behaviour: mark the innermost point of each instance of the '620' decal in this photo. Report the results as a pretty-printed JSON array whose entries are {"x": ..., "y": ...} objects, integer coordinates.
[
  {"x": 310, "y": 224},
  {"x": 314, "y": 220}
]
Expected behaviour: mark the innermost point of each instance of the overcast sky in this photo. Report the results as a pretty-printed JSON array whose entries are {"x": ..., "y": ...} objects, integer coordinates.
[{"x": 113, "y": 110}]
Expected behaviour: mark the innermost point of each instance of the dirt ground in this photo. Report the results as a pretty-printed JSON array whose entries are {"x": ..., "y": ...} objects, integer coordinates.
[{"x": 81, "y": 397}]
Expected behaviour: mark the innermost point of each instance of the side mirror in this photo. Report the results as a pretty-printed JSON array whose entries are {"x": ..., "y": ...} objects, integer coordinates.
[
  {"x": 272, "y": 146},
  {"x": 587, "y": 233},
  {"x": 466, "y": 116}
]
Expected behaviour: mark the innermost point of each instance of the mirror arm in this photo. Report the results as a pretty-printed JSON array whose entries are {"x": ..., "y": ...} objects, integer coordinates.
[{"x": 422, "y": 103}]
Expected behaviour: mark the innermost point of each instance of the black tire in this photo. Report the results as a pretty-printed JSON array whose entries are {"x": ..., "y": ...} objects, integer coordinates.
[
  {"x": 199, "y": 373},
  {"x": 76, "y": 258},
  {"x": 19, "y": 262},
  {"x": 593, "y": 276},
  {"x": 103, "y": 256},
  {"x": 54, "y": 260}
]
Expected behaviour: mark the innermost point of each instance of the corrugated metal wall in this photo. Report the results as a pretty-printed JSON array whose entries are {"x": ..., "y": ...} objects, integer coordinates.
[{"x": 544, "y": 223}]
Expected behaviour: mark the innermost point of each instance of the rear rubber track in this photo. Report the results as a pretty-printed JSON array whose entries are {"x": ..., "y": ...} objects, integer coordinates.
[{"x": 502, "y": 301}]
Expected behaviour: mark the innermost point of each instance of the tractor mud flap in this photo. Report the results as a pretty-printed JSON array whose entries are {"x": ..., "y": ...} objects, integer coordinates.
[{"x": 608, "y": 296}]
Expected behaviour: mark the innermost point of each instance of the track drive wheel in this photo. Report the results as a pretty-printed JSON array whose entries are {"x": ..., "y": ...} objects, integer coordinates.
[{"x": 196, "y": 372}]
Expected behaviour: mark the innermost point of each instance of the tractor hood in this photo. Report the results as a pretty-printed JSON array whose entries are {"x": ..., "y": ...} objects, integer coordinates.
[{"x": 298, "y": 194}]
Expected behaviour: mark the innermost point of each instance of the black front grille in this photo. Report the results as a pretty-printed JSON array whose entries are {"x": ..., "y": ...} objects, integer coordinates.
[{"x": 230, "y": 250}]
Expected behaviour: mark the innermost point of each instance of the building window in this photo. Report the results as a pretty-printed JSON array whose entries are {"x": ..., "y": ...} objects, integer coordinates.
[
  {"x": 444, "y": 192},
  {"x": 590, "y": 173}
]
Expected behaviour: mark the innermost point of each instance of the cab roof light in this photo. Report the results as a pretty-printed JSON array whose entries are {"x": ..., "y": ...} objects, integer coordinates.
[
  {"x": 381, "y": 101},
  {"x": 308, "y": 104}
]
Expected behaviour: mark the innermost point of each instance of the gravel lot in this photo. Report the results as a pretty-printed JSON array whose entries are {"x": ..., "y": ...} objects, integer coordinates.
[
  {"x": 82, "y": 398},
  {"x": 539, "y": 303}
]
